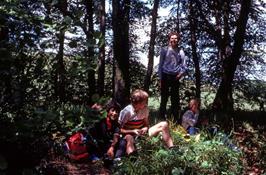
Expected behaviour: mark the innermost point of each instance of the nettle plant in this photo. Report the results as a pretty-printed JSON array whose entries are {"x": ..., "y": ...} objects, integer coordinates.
[{"x": 200, "y": 154}]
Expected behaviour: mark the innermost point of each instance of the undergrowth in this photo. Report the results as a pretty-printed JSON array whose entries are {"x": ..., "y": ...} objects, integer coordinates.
[{"x": 200, "y": 154}]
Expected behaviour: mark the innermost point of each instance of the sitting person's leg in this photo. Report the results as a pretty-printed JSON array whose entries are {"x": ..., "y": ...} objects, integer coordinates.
[
  {"x": 130, "y": 147},
  {"x": 121, "y": 148},
  {"x": 164, "y": 128},
  {"x": 192, "y": 130}
]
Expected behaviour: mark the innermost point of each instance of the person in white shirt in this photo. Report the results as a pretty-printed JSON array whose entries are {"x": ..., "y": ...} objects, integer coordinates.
[{"x": 134, "y": 121}]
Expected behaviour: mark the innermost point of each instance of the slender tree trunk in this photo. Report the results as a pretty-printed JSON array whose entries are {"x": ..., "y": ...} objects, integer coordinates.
[
  {"x": 219, "y": 41},
  {"x": 120, "y": 23},
  {"x": 195, "y": 57},
  {"x": 5, "y": 65},
  {"x": 60, "y": 70},
  {"x": 60, "y": 73},
  {"x": 177, "y": 17},
  {"x": 151, "y": 47},
  {"x": 223, "y": 100},
  {"x": 90, "y": 52},
  {"x": 101, "y": 70}
]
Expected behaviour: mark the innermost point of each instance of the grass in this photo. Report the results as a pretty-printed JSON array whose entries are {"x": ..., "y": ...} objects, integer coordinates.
[
  {"x": 202, "y": 154},
  {"x": 193, "y": 155}
]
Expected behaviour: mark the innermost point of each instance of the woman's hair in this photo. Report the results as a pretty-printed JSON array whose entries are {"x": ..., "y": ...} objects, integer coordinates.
[
  {"x": 174, "y": 33},
  {"x": 139, "y": 96},
  {"x": 113, "y": 104}
]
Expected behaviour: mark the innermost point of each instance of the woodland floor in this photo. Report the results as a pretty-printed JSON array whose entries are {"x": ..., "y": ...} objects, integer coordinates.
[
  {"x": 252, "y": 142},
  {"x": 247, "y": 138},
  {"x": 61, "y": 166}
]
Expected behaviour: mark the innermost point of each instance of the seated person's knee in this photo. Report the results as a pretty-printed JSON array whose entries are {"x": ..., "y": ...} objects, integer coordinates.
[
  {"x": 164, "y": 125},
  {"x": 129, "y": 138}
]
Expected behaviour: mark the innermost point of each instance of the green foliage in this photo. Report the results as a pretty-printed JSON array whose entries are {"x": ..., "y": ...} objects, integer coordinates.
[
  {"x": 252, "y": 92},
  {"x": 196, "y": 155},
  {"x": 68, "y": 118},
  {"x": 137, "y": 74},
  {"x": 31, "y": 132},
  {"x": 41, "y": 122}
]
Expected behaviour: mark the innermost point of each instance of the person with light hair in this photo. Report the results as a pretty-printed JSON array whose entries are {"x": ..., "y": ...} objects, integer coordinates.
[
  {"x": 190, "y": 117},
  {"x": 134, "y": 121}
]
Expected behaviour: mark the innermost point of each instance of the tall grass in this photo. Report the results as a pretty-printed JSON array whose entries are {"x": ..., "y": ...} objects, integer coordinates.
[{"x": 199, "y": 154}]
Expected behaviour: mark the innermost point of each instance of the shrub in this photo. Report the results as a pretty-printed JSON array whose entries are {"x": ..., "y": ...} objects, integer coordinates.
[{"x": 193, "y": 155}]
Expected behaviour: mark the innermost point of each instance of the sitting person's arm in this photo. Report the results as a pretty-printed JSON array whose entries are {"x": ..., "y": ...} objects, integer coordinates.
[
  {"x": 124, "y": 118},
  {"x": 145, "y": 129},
  {"x": 131, "y": 131},
  {"x": 110, "y": 151},
  {"x": 141, "y": 131},
  {"x": 189, "y": 119},
  {"x": 138, "y": 132}
]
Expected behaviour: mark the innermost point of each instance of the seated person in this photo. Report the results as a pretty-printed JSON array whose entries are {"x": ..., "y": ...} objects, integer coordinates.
[
  {"x": 190, "y": 117},
  {"x": 106, "y": 133},
  {"x": 134, "y": 121}
]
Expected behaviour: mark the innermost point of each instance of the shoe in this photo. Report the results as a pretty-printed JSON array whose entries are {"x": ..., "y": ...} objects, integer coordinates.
[
  {"x": 93, "y": 158},
  {"x": 117, "y": 162}
]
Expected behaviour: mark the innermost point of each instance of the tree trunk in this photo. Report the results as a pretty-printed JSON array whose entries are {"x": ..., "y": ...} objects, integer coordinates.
[
  {"x": 90, "y": 52},
  {"x": 5, "y": 64},
  {"x": 177, "y": 17},
  {"x": 120, "y": 23},
  {"x": 101, "y": 70},
  {"x": 60, "y": 70},
  {"x": 60, "y": 73},
  {"x": 195, "y": 58},
  {"x": 223, "y": 100},
  {"x": 151, "y": 47}
]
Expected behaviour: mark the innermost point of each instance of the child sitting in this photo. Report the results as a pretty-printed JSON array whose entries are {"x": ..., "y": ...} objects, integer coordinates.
[
  {"x": 107, "y": 133},
  {"x": 190, "y": 117},
  {"x": 134, "y": 121}
]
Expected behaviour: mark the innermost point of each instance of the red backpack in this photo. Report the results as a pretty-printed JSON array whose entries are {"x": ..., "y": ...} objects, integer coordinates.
[{"x": 76, "y": 147}]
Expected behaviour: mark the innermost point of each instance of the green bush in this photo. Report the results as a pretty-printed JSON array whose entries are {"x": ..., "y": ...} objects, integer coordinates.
[
  {"x": 195, "y": 155},
  {"x": 41, "y": 129}
]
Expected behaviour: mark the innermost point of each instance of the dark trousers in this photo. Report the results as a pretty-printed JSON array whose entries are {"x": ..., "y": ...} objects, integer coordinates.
[
  {"x": 121, "y": 150},
  {"x": 169, "y": 87}
]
